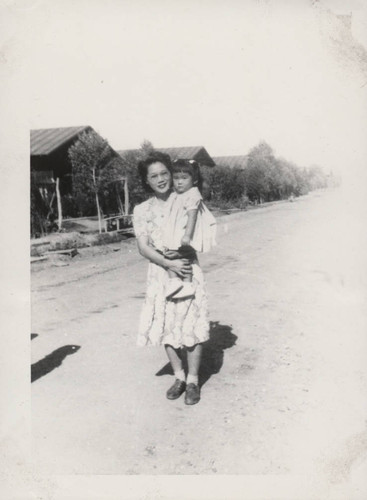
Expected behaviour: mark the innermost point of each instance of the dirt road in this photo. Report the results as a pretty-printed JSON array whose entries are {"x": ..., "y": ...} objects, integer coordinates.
[{"x": 284, "y": 375}]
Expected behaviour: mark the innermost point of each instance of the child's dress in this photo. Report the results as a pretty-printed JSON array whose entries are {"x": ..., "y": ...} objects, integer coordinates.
[
  {"x": 178, "y": 323},
  {"x": 205, "y": 228}
]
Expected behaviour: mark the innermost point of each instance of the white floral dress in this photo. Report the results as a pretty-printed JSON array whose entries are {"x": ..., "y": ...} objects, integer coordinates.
[{"x": 181, "y": 322}]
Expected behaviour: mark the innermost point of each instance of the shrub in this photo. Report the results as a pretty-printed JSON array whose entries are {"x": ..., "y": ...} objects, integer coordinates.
[
  {"x": 97, "y": 170},
  {"x": 39, "y": 211},
  {"x": 130, "y": 162},
  {"x": 224, "y": 187}
]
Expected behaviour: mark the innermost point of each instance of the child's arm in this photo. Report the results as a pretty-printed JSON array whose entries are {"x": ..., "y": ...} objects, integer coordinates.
[{"x": 190, "y": 227}]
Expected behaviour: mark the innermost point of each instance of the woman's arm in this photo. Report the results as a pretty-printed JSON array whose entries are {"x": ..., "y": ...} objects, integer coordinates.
[
  {"x": 182, "y": 267},
  {"x": 190, "y": 227}
]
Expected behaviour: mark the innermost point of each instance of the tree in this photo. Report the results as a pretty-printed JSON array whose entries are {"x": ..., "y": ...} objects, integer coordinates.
[
  {"x": 146, "y": 148},
  {"x": 130, "y": 161},
  {"x": 258, "y": 172},
  {"x": 95, "y": 166},
  {"x": 285, "y": 180},
  {"x": 316, "y": 177},
  {"x": 224, "y": 186}
]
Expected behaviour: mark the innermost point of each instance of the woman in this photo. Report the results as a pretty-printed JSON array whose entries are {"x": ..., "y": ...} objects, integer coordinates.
[{"x": 177, "y": 324}]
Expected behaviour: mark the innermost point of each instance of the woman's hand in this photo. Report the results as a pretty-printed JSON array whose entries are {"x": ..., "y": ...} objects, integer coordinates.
[{"x": 181, "y": 267}]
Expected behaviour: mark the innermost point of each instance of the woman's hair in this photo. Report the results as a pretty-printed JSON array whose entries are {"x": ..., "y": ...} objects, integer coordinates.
[
  {"x": 189, "y": 167},
  {"x": 143, "y": 165}
]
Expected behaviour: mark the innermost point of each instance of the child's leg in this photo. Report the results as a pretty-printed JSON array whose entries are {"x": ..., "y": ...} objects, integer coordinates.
[
  {"x": 187, "y": 252},
  {"x": 174, "y": 284},
  {"x": 182, "y": 288},
  {"x": 188, "y": 289},
  {"x": 187, "y": 279},
  {"x": 172, "y": 274}
]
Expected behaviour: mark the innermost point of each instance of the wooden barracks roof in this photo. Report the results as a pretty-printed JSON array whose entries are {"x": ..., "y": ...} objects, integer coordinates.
[
  {"x": 198, "y": 153},
  {"x": 46, "y": 140}
]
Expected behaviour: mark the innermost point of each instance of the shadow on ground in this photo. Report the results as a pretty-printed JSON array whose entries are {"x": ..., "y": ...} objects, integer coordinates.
[
  {"x": 220, "y": 339},
  {"x": 51, "y": 361}
]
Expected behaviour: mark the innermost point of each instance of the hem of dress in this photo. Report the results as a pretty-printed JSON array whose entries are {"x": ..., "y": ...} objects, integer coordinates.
[{"x": 148, "y": 343}]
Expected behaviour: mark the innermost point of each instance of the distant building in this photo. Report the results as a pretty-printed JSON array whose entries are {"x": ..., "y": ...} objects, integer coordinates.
[
  {"x": 197, "y": 153},
  {"x": 49, "y": 155},
  {"x": 239, "y": 161}
]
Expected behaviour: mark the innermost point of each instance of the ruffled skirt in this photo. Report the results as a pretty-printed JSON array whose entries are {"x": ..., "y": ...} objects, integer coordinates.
[{"x": 179, "y": 323}]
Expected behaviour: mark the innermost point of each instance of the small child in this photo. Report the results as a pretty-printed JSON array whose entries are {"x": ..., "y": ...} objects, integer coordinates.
[{"x": 190, "y": 227}]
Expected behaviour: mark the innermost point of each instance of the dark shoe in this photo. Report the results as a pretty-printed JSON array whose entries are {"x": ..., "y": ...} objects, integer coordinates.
[
  {"x": 177, "y": 389},
  {"x": 192, "y": 395}
]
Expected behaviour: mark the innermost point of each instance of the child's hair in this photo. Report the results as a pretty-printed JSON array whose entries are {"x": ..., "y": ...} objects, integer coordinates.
[{"x": 189, "y": 167}]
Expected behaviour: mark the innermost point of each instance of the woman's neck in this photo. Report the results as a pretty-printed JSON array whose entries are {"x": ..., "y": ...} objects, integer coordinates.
[{"x": 163, "y": 196}]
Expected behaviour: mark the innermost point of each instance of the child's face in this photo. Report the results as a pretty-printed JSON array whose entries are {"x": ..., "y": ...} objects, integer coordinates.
[{"x": 182, "y": 182}]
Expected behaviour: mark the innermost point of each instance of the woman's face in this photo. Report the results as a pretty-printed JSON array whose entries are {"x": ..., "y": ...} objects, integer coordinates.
[{"x": 159, "y": 178}]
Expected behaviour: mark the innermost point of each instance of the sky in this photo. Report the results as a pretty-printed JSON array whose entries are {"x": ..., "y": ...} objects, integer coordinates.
[{"x": 224, "y": 75}]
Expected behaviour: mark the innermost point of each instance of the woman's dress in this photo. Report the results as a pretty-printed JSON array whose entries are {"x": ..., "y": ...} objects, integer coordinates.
[{"x": 180, "y": 322}]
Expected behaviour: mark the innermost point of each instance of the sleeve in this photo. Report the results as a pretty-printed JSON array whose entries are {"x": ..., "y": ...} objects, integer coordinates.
[
  {"x": 140, "y": 221},
  {"x": 193, "y": 199}
]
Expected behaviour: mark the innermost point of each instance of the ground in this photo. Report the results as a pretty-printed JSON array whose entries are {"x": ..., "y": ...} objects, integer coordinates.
[{"x": 283, "y": 376}]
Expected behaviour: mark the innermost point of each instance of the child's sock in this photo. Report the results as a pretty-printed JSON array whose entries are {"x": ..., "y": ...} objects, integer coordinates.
[
  {"x": 187, "y": 290},
  {"x": 192, "y": 379},
  {"x": 173, "y": 285},
  {"x": 180, "y": 375}
]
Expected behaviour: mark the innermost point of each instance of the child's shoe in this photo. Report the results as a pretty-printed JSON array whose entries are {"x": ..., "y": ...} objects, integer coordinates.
[
  {"x": 187, "y": 290},
  {"x": 173, "y": 285}
]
